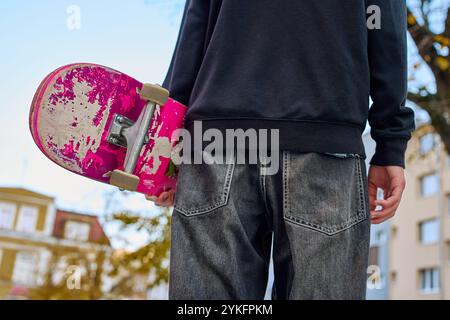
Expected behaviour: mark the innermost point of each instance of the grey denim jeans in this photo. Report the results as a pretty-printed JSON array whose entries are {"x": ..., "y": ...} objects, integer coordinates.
[{"x": 227, "y": 216}]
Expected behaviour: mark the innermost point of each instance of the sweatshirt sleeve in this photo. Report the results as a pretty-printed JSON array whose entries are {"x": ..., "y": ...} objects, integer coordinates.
[
  {"x": 189, "y": 50},
  {"x": 390, "y": 120}
]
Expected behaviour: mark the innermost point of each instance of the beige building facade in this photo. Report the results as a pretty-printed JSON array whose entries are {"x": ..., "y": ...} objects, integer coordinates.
[
  {"x": 419, "y": 235},
  {"x": 37, "y": 240}
]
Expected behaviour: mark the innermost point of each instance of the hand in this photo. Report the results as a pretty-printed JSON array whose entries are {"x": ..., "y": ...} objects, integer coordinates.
[
  {"x": 165, "y": 199},
  {"x": 392, "y": 180}
]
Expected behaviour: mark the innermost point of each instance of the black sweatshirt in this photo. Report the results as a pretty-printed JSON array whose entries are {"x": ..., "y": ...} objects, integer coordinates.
[{"x": 305, "y": 67}]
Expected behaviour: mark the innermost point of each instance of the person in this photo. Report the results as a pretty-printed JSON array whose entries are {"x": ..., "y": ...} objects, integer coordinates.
[{"x": 306, "y": 69}]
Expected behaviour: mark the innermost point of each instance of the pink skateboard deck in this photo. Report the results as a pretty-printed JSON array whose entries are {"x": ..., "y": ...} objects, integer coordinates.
[{"x": 84, "y": 117}]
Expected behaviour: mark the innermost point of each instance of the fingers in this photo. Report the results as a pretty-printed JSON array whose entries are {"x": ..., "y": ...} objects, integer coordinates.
[
  {"x": 151, "y": 198},
  {"x": 381, "y": 216},
  {"x": 392, "y": 200},
  {"x": 392, "y": 180},
  {"x": 389, "y": 206},
  {"x": 378, "y": 216},
  {"x": 165, "y": 199}
]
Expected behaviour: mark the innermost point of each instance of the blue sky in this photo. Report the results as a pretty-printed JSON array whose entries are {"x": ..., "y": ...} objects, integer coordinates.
[{"x": 134, "y": 36}]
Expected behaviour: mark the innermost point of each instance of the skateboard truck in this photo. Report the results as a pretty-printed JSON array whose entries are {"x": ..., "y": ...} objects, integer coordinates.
[
  {"x": 123, "y": 132},
  {"x": 116, "y": 131},
  {"x": 118, "y": 125}
]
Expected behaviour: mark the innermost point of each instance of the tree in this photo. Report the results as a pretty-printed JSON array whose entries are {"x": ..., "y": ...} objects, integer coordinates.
[
  {"x": 147, "y": 264},
  {"x": 71, "y": 274},
  {"x": 433, "y": 50}
]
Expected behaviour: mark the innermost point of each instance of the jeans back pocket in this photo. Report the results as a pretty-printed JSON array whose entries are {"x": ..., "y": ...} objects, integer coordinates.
[
  {"x": 202, "y": 188},
  {"x": 323, "y": 192}
]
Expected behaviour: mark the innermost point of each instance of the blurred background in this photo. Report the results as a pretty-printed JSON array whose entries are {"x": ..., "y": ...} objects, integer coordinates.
[{"x": 66, "y": 237}]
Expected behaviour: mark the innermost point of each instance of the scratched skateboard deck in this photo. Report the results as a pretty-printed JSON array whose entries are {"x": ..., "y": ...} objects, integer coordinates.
[{"x": 107, "y": 126}]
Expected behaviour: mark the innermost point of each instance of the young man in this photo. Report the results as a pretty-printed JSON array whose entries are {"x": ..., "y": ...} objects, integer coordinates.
[{"x": 305, "y": 68}]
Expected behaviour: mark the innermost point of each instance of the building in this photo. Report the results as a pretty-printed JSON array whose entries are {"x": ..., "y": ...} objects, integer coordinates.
[
  {"x": 26, "y": 227},
  {"x": 35, "y": 237},
  {"x": 411, "y": 252},
  {"x": 79, "y": 227},
  {"x": 419, "y": 255}
]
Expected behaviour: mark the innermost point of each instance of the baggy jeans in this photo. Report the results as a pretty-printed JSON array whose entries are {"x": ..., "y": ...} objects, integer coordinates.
[{"x": 312, "y": 217}]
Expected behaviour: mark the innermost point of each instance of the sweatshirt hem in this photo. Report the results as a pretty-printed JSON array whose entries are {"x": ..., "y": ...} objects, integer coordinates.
[{"x": 294, "y": 135}]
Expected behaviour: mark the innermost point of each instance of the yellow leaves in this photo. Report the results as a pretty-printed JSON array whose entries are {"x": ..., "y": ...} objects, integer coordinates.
[
  {"x": 411, "y": 20},
  {"x": 443, "y": 41},
  {"x": 442, "y": 63}
]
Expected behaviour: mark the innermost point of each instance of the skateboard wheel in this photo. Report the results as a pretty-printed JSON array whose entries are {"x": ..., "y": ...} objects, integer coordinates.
[
  {"x": 124, "y": 180},
  {"x": 154, "y": 93}
]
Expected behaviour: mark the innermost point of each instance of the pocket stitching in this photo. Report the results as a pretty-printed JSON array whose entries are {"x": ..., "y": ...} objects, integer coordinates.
[
  {"x": 327, "y": 230},
  {"x": 220, "y": 202},
  {"x": 285, "y": 181},
  {"x": 361, "y": 205},
  {"x": 360, "y": 217}
]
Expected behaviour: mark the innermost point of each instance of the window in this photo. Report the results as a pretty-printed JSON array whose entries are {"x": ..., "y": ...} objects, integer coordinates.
[
  {"x": 448, "y": 203},
  {"x": 429, "y": 280},
  {"x": 429, "y": 185},
  {"x": 7, "y": 213},
  {"x": 393, "y": 276},
  {"x": 373, "y": 256},
  {"x": 426, "y": 143},
  {"x": 448, "y": 252},
  {"x": 394, "y": 231},
  {"x": 27, "y": 219},
  {"x": 429, "y": 231},
  {"x": 77, "y": 230},
  {"x": 25, "y": 268},
  {"x": 380, "y": 236}
]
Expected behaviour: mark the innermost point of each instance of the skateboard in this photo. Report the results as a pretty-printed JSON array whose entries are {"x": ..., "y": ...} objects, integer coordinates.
[{"x": 104, "y": 125}]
